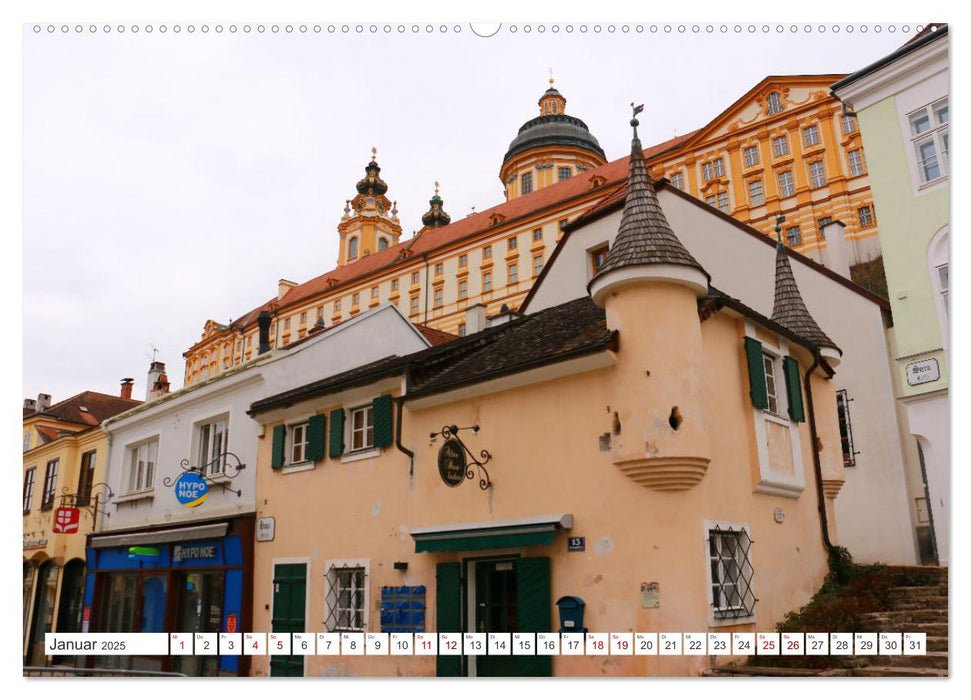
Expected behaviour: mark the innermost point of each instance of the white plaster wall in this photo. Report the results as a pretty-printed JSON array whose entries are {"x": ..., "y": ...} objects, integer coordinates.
[
  {"x": 373, "y": 335},
  {"x": 873, "y": 511}
]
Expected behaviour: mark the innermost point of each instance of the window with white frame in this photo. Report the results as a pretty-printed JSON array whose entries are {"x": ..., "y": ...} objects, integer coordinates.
[
  {"x": 855, "y": 159},
  {"x": 730, "y": 572},
  {"x": 439, "y": 269},
  {"x": 298, "y": 443},
  {"x": 527, "y": 181},
  {"x": 865, "y": 215},
  {"x": 29, "y": 477},
  {"x": 375, "y": 291},
  {"x": 780, "y": 145},
  {"x": 755, "y": 193},
  {"x": 942, "y": 285},
  {"x": 677, "y": 180},
  {"x": 439, "y": 297},
  {"x": 848, "y": 123},
  {"x": 486, "y": 281},
  {"x": 213, "y": 442},
  {"x": 929, "y": 133},
  {"x": 346, "y": 602},
  {"x": 463, "y": 260},
  {"x": 141, "y": 465},
  {"x": 355, "y": 299},
  {"x": 487, "y": 252},
  {"x": 50, "y": 484},
  {"x": 565, "y": 173},
  {"x": 751, "y": 155},
  {"x": 414, "y": 278},
  {"x": 352, "y": 248},
  {"x": 706, "y": 171},
  {"x": 711, "y": 201},
  {"x": 785, "y": 184},
  {"x": 723, "y": 201},
  {"x": 810, "y": 136},
  {"x": 362, "y": 428},
  {"x": 817, "y": 176},
  {"x": 774, "y": 101},
  {"x": 414, "y": 305},
  {"x": 768, "y": 365},
  {"x": 793, "y": 236},
  {"x": 26, "y": 442},
  {"x": 512, "y": 273},
  {"x": 719, "y": 166},
  {"x": 537, "y": 265},
  {"x": 394, "y": 285},
  {"x": 463, "y": 289}
]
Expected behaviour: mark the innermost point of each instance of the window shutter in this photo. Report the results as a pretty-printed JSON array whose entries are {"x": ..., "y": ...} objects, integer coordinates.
[
  {"x": 383, "y": 435},
  {"x": 337, "y": 432},
  {"x": 756, "y": 373},
  {"x": 279, "y": 446},
  {"x": 316, "y": 435},
  {"x": 448, "y": 613},
  {"x": 535, "y": 610},
  {"x": 793, "y": 389}
]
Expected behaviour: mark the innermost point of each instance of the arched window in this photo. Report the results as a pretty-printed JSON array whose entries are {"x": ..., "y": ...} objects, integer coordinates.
[
  {"x": 382, "y": 243},
  {"x": 352, "y": 248}
]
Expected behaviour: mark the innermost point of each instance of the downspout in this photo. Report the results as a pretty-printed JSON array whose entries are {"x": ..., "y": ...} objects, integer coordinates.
[
  {"x": 817, "y": 465},
  {"x": 400, "y": 403}
]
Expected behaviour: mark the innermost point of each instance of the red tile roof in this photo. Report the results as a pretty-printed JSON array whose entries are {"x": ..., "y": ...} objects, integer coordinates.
[
  {"x": 435, "y": 336},
  {"x": 48, "y": 434},
  {"x": 432, "y": 239},
  {"x": 98, "y": 407}
]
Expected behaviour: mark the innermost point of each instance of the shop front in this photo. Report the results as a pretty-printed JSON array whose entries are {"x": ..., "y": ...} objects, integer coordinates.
[{"x": 185, "y": 579}]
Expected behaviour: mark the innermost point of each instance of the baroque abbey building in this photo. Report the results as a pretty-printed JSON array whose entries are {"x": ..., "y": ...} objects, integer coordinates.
[{"x": 783, "y": 147}]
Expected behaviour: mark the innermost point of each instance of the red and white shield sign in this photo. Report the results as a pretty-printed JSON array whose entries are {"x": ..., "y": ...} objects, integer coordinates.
[
  {"x": 232, "y": 622},
  {"x": 66, "y": 520}
]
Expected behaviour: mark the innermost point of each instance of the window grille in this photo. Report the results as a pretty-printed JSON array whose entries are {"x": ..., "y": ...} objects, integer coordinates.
[
  {"x": 731, "y": 569},
  {"x": 345, "y": 602}
]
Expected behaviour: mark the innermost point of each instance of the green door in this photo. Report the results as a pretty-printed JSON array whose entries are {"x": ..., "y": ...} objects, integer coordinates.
[
  {"x": 289, "y": 605},
  {"x": 496, "y": 610}
]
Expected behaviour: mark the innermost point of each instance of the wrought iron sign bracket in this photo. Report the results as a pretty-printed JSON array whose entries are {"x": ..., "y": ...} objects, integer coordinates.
[
  {"x": 466, "y": 458},
  {"x": 229, "y": 471},
  {"x": 98, "y": 497}
]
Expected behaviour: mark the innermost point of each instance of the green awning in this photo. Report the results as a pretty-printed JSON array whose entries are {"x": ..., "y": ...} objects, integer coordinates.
[{"x": 490, "y": 535}]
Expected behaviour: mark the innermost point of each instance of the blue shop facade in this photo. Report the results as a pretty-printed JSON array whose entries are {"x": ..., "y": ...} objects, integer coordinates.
[{"x": 188, "y": 578}]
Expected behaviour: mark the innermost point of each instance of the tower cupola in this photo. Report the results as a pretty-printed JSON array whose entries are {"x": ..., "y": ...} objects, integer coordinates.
[
  {"x": 370, "y": 222},
  {"x": 436, "y": 216}
]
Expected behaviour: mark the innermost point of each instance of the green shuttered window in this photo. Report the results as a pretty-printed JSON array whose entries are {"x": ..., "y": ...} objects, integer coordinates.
[
  {"x": 756, "y": 373},
  {"x": 383, "y": 434},
  {"x": 279, "y": 446},
  {"x": 793, "y": 389},
  {"x": 337, "y": 432},
  {"x": 316, "y": 436}
]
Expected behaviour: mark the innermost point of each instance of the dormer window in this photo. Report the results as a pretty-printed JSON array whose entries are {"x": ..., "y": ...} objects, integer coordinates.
[{"x": 774, "y": 101}]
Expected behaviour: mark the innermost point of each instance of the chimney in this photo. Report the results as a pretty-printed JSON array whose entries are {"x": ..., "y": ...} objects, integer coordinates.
[
  {"x": 155, "y": 372},
  {"x": 504, "y": 316},
  {"x": 30, "y": 404},
  {"x": 475, "y": 319},
  {"x": 264, "y": 323},
  {"x": 126, "y": 386},
  {"x": 284, "y": 287},
  {"x": 836, "y": 253},
  {"x": 43, "y": 402}
]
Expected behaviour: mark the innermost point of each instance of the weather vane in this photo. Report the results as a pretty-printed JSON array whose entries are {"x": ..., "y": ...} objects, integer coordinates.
[
  {"x": 436, "y": 188},
  {"x": 374, "y": 152},
  {"x": 779, "y": 218},
  {"x": 551, "y": 77}
]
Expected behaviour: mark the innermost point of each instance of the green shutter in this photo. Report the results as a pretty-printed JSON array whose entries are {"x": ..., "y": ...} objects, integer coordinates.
[
  {"x": 337, "y": 432},
  {"x": 448, "y": 613},
  {"x": 793, "y": 389},
  {"x": 316, "y": 434},
  {"x": 383, "y": 434},
  {"x": 279, "y": 445},
  {"x": 534, "y": 604},
  {"x": 756, "y": 373}
]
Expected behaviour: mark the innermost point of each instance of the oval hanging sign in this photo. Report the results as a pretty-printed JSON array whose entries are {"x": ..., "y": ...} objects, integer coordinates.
[
  {"x": 452, "y": 462},
  {"x": 191, "y": 489}
]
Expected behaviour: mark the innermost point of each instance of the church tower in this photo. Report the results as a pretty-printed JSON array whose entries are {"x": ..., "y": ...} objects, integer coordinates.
[
  {"x": 548, "y": 149},
  {"x": 370, "y": 222}
]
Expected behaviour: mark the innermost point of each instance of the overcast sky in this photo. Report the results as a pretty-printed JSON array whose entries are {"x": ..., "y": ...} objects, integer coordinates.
[{"x": 173, "y": 178}]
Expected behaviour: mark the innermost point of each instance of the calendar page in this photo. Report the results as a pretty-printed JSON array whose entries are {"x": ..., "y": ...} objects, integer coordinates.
[{"x": 600, "y": 347}]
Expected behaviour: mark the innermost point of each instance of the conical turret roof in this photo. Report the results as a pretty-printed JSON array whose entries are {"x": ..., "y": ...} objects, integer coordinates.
[
  {"x": 789, "y": 310},
  {"x": 644, "y": 236}
]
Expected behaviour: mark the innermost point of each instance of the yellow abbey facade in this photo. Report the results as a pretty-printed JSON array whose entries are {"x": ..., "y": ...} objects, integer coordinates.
[{"x": 782, "y": 147}]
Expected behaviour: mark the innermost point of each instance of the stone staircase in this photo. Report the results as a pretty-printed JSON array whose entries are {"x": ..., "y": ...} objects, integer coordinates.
[{"x": 917, "y": 603}]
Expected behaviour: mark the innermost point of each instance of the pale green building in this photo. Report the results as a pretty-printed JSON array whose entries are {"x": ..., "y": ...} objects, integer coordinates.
[{"x": 902, "y": 104}]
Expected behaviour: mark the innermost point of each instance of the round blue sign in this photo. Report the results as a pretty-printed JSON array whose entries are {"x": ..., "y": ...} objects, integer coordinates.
[{"x": 191, "y": 489}]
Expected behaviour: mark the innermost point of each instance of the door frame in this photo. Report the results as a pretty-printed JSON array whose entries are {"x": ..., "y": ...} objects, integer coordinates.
[
  {"x": 468, "y": 597},
  {"x": 306, "y": 598}
]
